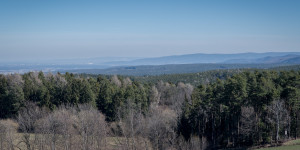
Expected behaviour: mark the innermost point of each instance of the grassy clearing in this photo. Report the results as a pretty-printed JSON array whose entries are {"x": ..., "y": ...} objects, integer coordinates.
[
  {"x": 293, "y": 142},
  {"x": 290, "y": 145},
  {"x": 285, "y": 147},
  {"x": 111, "y": 143}
]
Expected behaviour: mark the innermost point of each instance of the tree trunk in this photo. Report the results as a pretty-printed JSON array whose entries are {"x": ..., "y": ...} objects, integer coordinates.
[
  {"x": 1, "y": 142},
  {"x": 277, "y": 130},
  {"x": 289, "y": 122},
  {"x": 256, "y": 127},
  {"x": 213, "y": 129},
  {"x": 238, "y": 139},
  {"x": 296, "y": 126}
]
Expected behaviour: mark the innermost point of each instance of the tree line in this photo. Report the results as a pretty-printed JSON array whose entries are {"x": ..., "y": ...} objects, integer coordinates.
[
  {"x": 249, "y": 108},
  {"x": 246, "y": 109}
]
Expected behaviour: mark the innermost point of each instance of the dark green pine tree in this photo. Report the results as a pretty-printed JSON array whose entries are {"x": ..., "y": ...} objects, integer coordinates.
[
  {"x": 234, "y": 95},
  {"x": 86, "y": 93},
  {"x": 105, "y": 99},
  {"x": 4, "y": 112}
]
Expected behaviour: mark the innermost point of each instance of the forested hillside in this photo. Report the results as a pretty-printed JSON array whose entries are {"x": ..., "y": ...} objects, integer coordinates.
[
  {"x": 212, "y": 58},
  {"x": 202, "y": 77},
  {"x": 146, "y": 70},
  {"x": 241, "y": 109}
]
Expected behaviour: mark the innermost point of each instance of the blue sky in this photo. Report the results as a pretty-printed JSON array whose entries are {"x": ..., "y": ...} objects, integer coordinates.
[{"x": 34, "y": 29}]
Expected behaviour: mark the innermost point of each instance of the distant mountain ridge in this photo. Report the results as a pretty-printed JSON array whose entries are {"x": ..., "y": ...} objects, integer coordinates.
[
  {"x": 172, "y": 69},
  {"x": 113, "y": 63},
  {"x": 206, "y": 58},
  {"x": 192, "y": 63},
  {"x": 287, "y": 59}
]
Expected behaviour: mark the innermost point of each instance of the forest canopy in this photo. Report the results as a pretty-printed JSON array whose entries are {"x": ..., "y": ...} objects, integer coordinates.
[{"x": 241, "y": 109}]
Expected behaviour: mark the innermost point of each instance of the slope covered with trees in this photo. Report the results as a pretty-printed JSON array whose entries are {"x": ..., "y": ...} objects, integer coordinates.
[
  {"x": 242, "y": 109},
  {"x": 144, "y": 70},
  {"x": 249, "y": 108}
]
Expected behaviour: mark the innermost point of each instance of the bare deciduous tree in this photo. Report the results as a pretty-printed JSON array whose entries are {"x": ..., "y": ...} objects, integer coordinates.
[
  {"x": 247, "y": 121},
  {"x": 131, "y": 123},
  {"x": 154, "y": 96},
  {"x": 49, "y": 126},
  {"x": 65, "y": 118},
  {"x": 278, "y": 115},
  {"x": 8, "y": 130},
  {"x": 56, "y": 129},
  {"x": 15, "y": 80},
  {"x": 161, "y": 124},
  {"x": 127, "y": 82},
  {"x": 115, "y": 80},
  {"x": 91, "y": 127},
  {"x": 194, "y": 143},
  {"x": 27, "y": 118}
]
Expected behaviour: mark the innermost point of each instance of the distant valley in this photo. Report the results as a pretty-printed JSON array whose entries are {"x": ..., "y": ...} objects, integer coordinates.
[
  {"x": 189, "y": 63},
  {"x": 172, "y": 69}
]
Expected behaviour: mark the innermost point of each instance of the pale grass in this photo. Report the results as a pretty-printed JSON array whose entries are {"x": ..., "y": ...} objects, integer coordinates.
[
  {"x": 112, "y": 143},
  {"x": 290, "y": 145}
]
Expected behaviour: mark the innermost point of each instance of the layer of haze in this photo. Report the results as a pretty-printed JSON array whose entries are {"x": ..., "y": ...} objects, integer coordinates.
[{"x": 34, "y": 29}]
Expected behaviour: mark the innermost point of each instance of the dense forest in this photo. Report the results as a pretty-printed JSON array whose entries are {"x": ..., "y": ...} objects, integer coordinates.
[
  {"x": 169, "y": 69},
  {"x": 197, "y": 78},
  {"x": 68, "y": 111}
]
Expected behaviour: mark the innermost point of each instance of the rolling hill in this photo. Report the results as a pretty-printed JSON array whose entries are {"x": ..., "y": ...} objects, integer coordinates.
[
  {"x": 171, "y": 69},
  {"x": 204, "y": 58},
  {"x": 287, "y": 59}
]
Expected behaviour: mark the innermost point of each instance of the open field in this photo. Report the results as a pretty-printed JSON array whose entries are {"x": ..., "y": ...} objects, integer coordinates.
[
  {"x": 38, "y": 141},
  {"x": 290, "y": 145}
]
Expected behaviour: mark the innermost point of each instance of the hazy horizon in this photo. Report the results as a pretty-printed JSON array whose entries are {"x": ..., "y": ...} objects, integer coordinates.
[{"x": 88, "y": 29}]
